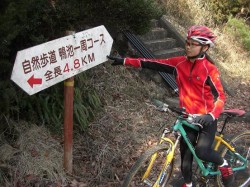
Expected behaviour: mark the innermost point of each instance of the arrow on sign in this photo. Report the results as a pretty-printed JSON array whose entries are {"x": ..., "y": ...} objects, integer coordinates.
[
  {"x": 89, "y": 49},
  {"x": 33, "y": 81}
]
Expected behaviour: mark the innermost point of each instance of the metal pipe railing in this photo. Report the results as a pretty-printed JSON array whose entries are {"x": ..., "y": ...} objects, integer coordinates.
[{"x": 140, "y": 47}]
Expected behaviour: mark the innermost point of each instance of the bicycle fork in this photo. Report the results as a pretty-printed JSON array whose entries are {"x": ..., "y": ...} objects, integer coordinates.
[
  {"x": 240, "y": 160},
  {"x": 161, "y": 180},
  {"x": 168, "y": 161}
]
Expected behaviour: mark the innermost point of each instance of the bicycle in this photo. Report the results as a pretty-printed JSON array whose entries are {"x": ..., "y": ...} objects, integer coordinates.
[{"x": 155, "y": 167}]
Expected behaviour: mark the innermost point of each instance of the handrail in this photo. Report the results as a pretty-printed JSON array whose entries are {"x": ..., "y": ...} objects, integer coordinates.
[{"x": 140, "y": 47}]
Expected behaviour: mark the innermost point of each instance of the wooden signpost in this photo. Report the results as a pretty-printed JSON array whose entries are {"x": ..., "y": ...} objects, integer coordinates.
[{"x": 44, "y": 65}]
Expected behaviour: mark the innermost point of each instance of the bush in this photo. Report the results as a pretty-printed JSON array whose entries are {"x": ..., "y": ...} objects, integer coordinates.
[
  {"x": 27, "y": 23},
  {"x": 240, "y": 30},
  {"x": 222, "y": 9}
]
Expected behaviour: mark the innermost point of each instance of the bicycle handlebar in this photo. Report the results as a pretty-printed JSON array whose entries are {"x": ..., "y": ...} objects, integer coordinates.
[{"x": 180, "y": 111}]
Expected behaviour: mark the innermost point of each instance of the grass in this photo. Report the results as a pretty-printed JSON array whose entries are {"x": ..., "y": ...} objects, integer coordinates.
[
  {"x": 34, "y": 158},
  {"x": 229, "y": 54},
  {"x": 238, "y": 28},
  {"x": 127, "y": 125}
]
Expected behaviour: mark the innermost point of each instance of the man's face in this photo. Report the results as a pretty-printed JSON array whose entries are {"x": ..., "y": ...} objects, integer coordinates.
[{"x": 192, "y": 47}]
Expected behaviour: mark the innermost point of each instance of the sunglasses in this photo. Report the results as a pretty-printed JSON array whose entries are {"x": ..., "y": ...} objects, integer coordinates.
[{"x": 191, "y": 44}]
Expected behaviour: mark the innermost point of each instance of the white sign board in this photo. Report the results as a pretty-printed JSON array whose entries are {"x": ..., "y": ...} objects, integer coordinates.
[{"x": 44, "y": 65}]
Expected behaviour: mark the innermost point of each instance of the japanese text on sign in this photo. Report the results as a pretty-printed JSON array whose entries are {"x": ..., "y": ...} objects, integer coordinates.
[
  {"x": 43, "y": 65},
  {"x": 65, "y": 52}
]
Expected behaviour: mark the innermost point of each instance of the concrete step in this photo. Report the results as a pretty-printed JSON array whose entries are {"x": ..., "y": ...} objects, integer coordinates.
[
  {"x": 155, "y": 34},
  {"x": 154, "y": 23},
  {"x": 167, "y": 53},
  {"x": 160, "y": 44}
]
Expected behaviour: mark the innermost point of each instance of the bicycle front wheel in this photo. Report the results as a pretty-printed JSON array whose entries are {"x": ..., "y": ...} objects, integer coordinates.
[
  {"x": 149, "y": 167},
  {"x": 241, "y": 143}
]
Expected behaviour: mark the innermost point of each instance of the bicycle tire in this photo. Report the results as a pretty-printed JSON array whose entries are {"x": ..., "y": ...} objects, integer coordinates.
[
  {"x": 134, "y": 176},
  {"x": 241, "y": 143}
]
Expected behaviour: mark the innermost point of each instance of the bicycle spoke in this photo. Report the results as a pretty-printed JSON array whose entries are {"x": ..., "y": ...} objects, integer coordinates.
[
  {"x": 134, "y": 178},
  {"x": 241, "y": 144}
]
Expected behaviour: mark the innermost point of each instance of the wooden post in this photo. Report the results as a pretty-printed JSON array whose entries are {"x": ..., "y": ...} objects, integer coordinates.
[{"x": 68, "y": 121}]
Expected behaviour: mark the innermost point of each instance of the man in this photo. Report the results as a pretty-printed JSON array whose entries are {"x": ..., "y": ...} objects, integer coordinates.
[{"x": 200, "y": 92}]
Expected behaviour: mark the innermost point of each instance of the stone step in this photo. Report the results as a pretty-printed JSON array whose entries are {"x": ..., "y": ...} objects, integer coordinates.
[
  {"x": 160, "y": 44},
  {"x": 154, "y": 23},
  {"x": 154, "y": 34},
  {"x": 167, "y": 53}
]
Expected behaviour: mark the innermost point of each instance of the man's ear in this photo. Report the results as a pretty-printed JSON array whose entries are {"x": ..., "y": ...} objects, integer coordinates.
[{"x": 205, "y": 48}]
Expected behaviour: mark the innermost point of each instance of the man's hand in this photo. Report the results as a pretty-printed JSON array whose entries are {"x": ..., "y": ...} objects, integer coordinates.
[
  {"x": 117, "y": 60},
  {"x": 204, "y": 120}
]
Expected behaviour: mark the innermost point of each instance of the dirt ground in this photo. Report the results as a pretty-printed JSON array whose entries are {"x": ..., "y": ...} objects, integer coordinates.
[
  {"x": 102, "y": 155},
  {"x": 129, "y": 125}
]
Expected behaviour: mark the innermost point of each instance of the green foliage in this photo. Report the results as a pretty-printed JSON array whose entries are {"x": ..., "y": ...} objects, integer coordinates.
[
  {"x": 86, "y": 102},
  {"x": 85, "y": 106},
  {"x": 47, "y": 107},
  {"x": 26, "y": 23},
  {"x": 240, "y": 30},
  {"x": 7, "y": 105},
  {"x": 43, "y": 108},
  {"x": 121, "y": 15},
  {"x": 222, "y": 9}
]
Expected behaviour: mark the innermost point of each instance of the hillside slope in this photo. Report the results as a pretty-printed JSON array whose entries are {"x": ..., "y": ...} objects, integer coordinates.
[{"x": 127, "y": 125}]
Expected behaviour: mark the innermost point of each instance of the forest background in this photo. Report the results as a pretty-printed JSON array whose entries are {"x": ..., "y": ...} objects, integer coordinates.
[{"x": 105, "y": 97}]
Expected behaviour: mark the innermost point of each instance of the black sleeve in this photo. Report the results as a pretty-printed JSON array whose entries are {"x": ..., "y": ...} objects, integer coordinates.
[{"x": 158, "y": 66}]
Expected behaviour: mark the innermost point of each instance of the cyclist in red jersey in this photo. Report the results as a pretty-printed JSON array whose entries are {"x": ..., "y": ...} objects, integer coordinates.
[{"x": 200, "y": 92}]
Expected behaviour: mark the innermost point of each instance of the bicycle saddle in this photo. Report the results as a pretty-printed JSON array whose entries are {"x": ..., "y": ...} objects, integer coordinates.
[{"x": 234, "y": 112}]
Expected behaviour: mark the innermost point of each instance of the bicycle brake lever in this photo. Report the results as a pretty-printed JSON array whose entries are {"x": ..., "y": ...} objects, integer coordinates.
[
  {"x": 197, "y": 124},
  {"x": 157, "y": 103},
  {"x": 163, "y": 108}
]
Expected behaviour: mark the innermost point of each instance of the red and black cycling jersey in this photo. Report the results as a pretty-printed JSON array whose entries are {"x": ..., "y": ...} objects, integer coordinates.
[{"x": 200, "y": 88}]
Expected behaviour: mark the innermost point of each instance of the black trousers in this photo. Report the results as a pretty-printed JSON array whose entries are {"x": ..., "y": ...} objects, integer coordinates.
[{"x": 202, "y": 141}]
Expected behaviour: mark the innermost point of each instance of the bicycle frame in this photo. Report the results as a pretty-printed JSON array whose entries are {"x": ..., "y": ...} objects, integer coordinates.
[
  {"x": 178, "y": 127},
  {"x": 169, "y": 158},
  {"x": 219, "y": 141}
]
